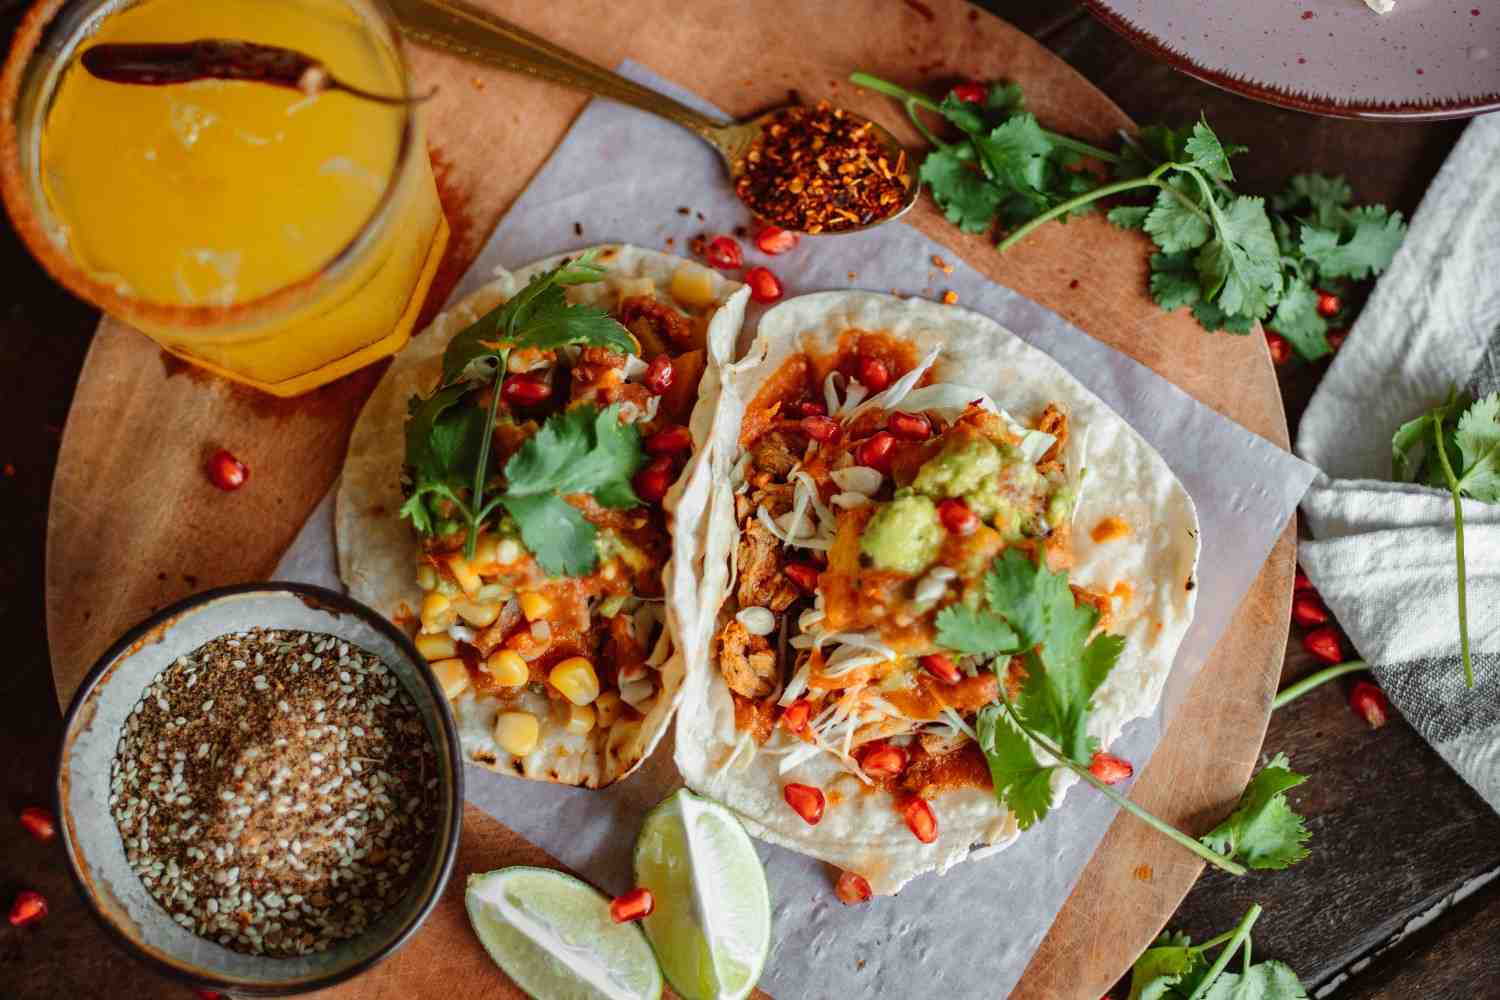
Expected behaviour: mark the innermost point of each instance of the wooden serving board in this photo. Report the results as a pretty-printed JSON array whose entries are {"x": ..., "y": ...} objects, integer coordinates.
[{"x": 135, "y": 524}]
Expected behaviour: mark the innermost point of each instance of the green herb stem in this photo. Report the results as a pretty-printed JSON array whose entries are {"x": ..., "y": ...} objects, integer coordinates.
[
  {"x": 484, "y": 461},
  {"x": 1160, "y": 825},
  {"x": 1058, "y": 211},
  {"x": 1292, "y": 692},
  {"x": 1458, "y": 539},
  {"x": 912, "y": 99},
  {"x": 1239, "y": 939}
]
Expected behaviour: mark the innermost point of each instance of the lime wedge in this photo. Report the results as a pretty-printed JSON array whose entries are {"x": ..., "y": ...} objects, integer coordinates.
[
  {"x": 552, "y": 934},
  {"x": 712, "y": 925}
]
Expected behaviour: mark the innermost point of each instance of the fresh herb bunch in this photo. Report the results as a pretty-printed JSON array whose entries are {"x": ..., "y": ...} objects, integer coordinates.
[
  {"x": 1030, "y": 612},
  {"x": 1455, "y": 447},
  {"x": 1176, "y": 969},
  {"x": 1223, "y": 254},
  {"x": 453, "y": 483}
]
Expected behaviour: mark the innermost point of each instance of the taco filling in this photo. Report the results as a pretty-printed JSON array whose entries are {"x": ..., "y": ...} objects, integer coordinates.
[
  {"x": 537, "y": 478},
  {"x": 872, "y": 502}
]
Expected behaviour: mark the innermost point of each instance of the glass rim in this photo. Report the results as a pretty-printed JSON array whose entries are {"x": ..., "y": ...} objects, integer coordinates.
[{"x": 27, "y": 216}]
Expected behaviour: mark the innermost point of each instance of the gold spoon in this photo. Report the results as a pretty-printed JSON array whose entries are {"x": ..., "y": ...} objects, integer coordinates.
[{"x": 474, "y": 34}]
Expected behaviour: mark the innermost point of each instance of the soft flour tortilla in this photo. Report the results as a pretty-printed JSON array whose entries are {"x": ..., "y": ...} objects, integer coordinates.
[
  {"x": 861, "y": 830},
  {"x": 377, "y": 549}
]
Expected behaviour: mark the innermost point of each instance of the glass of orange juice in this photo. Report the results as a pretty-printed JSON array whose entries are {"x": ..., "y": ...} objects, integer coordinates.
[{"x": 274, "y": 237}]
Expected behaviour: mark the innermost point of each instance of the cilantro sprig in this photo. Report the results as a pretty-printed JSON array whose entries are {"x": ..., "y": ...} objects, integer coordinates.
[
  {"x": 1176, "y": 969},
  {"x": 1030, "y": 612},
  {"x": 449, "y": 440},
  {"x": 1229, "y": 257},
  {"x": 1455, "y": 446}
]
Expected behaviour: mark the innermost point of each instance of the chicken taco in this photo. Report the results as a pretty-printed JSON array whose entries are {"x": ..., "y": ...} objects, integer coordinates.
[
  {"x": 510, "y": 496},
  {"x": 934, "y": 553}
]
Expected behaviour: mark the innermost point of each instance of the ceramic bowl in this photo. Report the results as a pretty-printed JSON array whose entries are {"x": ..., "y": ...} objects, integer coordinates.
[{"x": 91, "y": 732}]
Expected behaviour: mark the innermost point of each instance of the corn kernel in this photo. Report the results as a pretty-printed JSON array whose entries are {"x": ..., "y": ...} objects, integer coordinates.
[
  {"x": 483, "y": 562},
  {"x": 427, "y": 577},
  {"x": 576, "y": 679},
  {"x": 517, "y": 732},
  {"x": 693, "y": 285},
  {"x": 534, "y": 605},
  {"x": 480, "y": 614},
  {"x": 507, "y": 551},
  {"x": 607, "y": 708},
  {"x": 507, "y": 667},
  {"x": 436, "y": 646},
  {"x": 464, "y": 573},
  {"x": 580, "y": 719},
  {"x": 437, "y": 613},
  {"x": 452, "y": 676}
]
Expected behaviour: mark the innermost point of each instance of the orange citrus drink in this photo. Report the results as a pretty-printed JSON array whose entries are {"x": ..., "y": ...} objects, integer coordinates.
[{"x": 278, "y": 238}]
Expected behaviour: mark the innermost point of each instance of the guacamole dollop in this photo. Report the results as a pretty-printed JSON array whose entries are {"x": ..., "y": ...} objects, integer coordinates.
[
  {"x": 993, "y": 479},
  {"x": 903, "y": 535}
]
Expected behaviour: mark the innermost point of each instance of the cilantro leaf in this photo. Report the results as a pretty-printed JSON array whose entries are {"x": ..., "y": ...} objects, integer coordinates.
[
  {"x": 1129, "y": 216},
  {"x": 1266, "y": 981},
  {"x": 1174, "y": 283},
  {"x": 1162, "y": 966},
  {"x": 1014, "y": 154},
  {"x": 1152, "y": 146},
  {"x": 1175, "y": 969},
  {"x": 1214, "y": 319},
  {"x": 980, "y": 633},
  {"x": 1021, "y": 784},
  {"x": 1362, "y": 248},
  {"x": 966, "y": 198},
  {"x": 1478, "y": 441},
  {"x": 1177, "y": 221},
  {"x": 1242, "y": 265},
  {"x": 1209, "y": 155},
  {"x": 1263, "y": 831},
  {"x": 1298, "y": 320},
  {"x": 1325, "y": 197},
  {"x": 443, "y": 440},
  {"x": 555, "y": 532}
]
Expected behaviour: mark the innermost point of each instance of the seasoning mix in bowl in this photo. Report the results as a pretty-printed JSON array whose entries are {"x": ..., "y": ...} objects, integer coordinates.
[{"x": 260, "y": 789}]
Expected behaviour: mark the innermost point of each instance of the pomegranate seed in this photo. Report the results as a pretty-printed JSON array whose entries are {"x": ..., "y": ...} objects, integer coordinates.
[
  {"x": 724, "y": 254},
  {"x": 941, "y": 666},
  {"x": 851, "y": 889},
  {"x": 909, "y": 426},
  {"x": 208, "y": 994},
  {"x": 812, "y": 408},
  {"x": 670, "y": 441},
  {"x": 1110, "y": 769},
  {"x": 957, "y": 517},
  {"x": 765, "y": 287},
  {"x": 1302, "y": 582},
  {"x": 227, "y": 472},
  {"x": 883, "y": 760},
  {"x": 525, "y": 390},
  {"x": 872, "y": 373},
  {"x": 38, "y": 822},
  {"x": 875, "y": 450},
  {"x": 1325, "y": 644},
  {"x": 774, "y": 240},
  {"x": 1336, "y": 338},
  {"x": 920, "y": 819},
  {"x": 633, "y": 905},
  {"x": 28, "y": 907},
  {"x": 1281, "y": 349},
  {"x": 652, "y": 482},
  {"x": 1370, "y": 704},
  {"x": 970, "y": 93},
  {"x": 796, "y": 715},
  {"x": 1308, "y": 611},
  {"x": 1328, "y": 304},
  {"x": 806, "y": 800},
  {"x": 659, "y": 374},
  {"x": 804, "y": 575},
  {"x": 820, "y": 428}
]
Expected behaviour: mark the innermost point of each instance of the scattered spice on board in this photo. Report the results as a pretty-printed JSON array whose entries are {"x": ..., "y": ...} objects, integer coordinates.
[
  {"x": 276, "y": 791},
  {"x": 817, "y": 170}
]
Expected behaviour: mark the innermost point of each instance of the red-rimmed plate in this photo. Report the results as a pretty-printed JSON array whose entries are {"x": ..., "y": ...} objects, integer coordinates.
[{"x": 1426, "y": 59}]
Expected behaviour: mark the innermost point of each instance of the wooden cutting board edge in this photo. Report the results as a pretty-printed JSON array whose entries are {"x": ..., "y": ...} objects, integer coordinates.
[{"x": 95, "y": 572}]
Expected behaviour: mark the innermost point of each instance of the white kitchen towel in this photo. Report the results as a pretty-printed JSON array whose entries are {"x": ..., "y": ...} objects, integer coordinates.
[{"x": 1383, "y": 552}]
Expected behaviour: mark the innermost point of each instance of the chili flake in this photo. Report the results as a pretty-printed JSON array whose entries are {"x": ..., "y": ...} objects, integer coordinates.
[
  {"x": 950, "y": 297},
  {"x": 819, "y": 170}
]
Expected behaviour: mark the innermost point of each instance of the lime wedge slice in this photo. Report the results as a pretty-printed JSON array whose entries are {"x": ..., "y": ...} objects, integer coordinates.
[
  {"x": 552, "y": 934},
  {"x": 712, "y": 925}
]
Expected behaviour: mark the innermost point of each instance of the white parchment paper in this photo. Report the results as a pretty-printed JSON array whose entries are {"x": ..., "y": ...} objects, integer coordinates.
[{"x": 626, "y": 177}]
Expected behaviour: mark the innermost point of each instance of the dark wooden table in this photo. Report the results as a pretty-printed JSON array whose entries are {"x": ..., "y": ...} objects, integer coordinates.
[{"x": 1395, "y": 832}]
